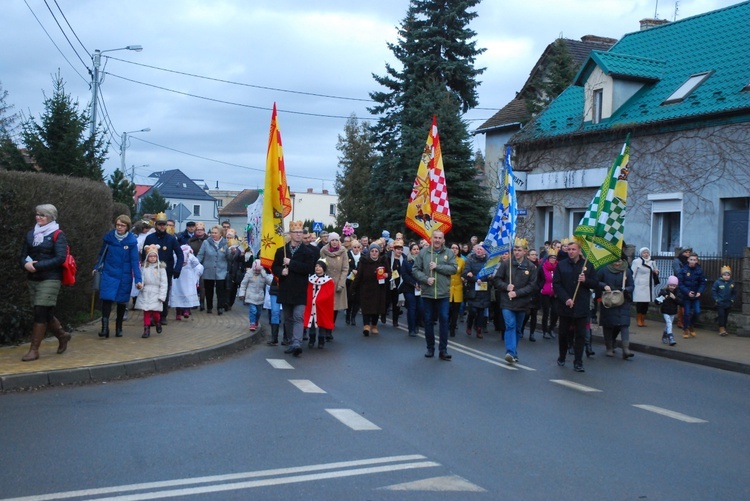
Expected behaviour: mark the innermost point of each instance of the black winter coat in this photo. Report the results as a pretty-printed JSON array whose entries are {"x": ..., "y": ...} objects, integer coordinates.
[
  {"x": 293, "y": 287},
  {"x": 620, "y": 315},
  {"x": 49, "y": 256},
  {"x": 565, "y": 282},
  {"x": 523, "y": 276}
]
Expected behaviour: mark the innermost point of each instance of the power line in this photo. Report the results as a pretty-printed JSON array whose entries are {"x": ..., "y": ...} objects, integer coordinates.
[
  {"x": 262, "y": 108},
  {"x": 71, "y": 28},
  {"x": 53, "y": 42},
  {"x": 64, "y": 34},
  {"x": 244, "y": 84},
  {"x": 225, "y": 163}
]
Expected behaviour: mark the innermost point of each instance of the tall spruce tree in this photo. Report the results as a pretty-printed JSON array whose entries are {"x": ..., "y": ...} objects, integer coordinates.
[
  {"x": 437, "y": 77},
  {"x": 353, "y": 180},
  {"x": 61, "y": 143},
  {"x": 123, "y": 191}
]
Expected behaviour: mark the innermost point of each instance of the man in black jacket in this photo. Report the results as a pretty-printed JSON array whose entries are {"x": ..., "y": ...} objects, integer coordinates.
[
  {"x": 293, "y": 264},
  {"x": 573, "y": 282},
  {"x": 169, "y": 253}
]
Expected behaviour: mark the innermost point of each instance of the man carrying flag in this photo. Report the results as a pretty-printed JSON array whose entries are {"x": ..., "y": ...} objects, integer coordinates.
[{"x": 428, "y": 214}]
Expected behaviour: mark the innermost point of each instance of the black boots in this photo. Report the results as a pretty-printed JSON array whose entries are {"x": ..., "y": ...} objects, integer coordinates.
[
  {"x": 146, "y": 331},
  {"x": 274, "y": 335},
  {"x": 105, "y": 327},
  {"x": 118, "y": 327}
]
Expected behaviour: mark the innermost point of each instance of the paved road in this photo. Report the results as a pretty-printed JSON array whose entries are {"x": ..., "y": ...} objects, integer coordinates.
[{"x": 371, "y": 418}]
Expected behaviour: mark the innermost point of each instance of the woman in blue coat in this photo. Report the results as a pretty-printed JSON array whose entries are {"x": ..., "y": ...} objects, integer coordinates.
[{"x": 119, "y": 267}]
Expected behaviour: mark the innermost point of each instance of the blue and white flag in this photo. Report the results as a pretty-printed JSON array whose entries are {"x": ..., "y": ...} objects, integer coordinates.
[
  {"x": 503, "y": 228},
  {"x": 253, "y": 228}
]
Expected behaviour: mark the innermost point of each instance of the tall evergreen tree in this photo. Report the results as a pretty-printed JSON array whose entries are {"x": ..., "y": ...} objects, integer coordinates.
[
  {"x": 123, "y": 190},
  {"x": 61, "y": 144},
  {"x": 559, "y": 74},
  {"x": 153, "y": 204},
  {"x": 353, "y": 180},
  {"x": 437, "y": 77}
]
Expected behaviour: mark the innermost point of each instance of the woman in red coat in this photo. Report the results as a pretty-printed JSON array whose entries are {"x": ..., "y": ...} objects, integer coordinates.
[{"x": 321, "y": 292}]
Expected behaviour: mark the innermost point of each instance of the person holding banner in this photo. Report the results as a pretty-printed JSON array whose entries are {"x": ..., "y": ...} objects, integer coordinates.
[
  {"x": 573, "y": 283},
  {"x": 515, "y": 283},
  {"x": 433, "y": 268}
]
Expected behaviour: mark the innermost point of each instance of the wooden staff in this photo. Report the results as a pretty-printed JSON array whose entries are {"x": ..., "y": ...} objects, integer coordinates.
[{"x": 579, "y": 283}]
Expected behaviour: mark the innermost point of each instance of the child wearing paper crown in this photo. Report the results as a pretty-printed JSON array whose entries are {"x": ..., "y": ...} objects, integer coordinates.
[
  {"x": 321, "y": 291},
  {"x": 670, "y": 300},
  {"x": 724, "y": 294},
  {"x": 253, "y": 292},
  {"x": 154, "y": 292}
]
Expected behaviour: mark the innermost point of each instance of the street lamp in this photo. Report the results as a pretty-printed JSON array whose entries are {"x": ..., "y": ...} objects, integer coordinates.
[
  {"x": 124, "y": 146},
  {"x": 132, "y": 171},
  {"x": 96, "y": 57}
]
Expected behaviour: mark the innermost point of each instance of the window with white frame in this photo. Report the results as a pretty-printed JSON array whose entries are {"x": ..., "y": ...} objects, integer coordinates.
[
  {"x": 196, "y": 210},
  {"x": 598, "y": 101},
  {"x": 666, "y": 224},
  {"x": 332, "y": 209}
]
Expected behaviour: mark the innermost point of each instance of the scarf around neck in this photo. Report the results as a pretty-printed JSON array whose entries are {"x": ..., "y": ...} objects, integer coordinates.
[{"x": 42, "y": 231}]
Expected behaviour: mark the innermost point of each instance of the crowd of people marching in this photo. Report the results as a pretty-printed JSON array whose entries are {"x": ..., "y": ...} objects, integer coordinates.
[{"x": 434, "y": 285}]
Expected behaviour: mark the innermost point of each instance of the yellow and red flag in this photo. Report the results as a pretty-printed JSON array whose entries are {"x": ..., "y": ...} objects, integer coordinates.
[
  {"x": 428, "y": 208},
  {"x": 277, "y": 203}
]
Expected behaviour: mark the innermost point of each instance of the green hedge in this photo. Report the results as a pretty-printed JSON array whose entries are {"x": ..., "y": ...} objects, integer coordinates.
[{"x": 85, "y": 210}]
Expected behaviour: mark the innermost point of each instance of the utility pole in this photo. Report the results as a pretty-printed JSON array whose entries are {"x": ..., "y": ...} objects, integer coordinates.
[{"x": 96, "y": 58}]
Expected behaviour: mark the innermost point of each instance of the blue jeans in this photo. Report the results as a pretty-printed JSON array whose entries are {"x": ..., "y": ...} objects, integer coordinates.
[
  {"x": 274, "y": 314},
  {"x": 440, "y": 308},
  {"x": 513, "y": 323},
  {"x": 692, "y": 310},
  {"x": 254, "y": 313}
]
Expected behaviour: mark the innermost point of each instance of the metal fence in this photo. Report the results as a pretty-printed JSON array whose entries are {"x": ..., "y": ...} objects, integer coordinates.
[{"x": 711, "y": 264}]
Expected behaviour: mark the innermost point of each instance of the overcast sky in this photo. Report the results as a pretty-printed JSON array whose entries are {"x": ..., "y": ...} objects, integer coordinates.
[{"x": 315, "y": 59}]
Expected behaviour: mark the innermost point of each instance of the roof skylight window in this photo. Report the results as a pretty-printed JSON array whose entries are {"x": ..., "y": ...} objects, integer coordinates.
[{"x": 687, "y": 88}]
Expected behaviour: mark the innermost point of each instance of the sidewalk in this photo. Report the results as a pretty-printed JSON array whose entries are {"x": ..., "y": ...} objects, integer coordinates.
[
  {"x": 730, "y": 353},
  {"x": 91, "y": 358},
  {"x": 203, "y": 337}
]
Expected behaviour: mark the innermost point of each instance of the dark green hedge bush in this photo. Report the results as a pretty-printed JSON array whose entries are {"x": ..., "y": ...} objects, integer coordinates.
[{"x": 84, "y": 213}]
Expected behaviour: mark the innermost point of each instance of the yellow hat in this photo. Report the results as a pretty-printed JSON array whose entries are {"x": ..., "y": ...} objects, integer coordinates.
[
  {"x": 295, "y": 226},
  {"x": 726, "y": 269},
  {"x": 520, "y": 242},
  {"x": 565, "y": 241},
  {"x": 161, "y": 217}
]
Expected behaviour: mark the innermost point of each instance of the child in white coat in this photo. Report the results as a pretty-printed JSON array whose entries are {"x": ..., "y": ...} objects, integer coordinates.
[
  {"x": 184, "y": 293},
  {"x": 154, "y": 291},
  {"x": 253, "y": 290}
]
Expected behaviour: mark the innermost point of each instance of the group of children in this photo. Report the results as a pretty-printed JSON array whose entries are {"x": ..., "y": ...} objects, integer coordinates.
[{"x": 685, "y": 292}]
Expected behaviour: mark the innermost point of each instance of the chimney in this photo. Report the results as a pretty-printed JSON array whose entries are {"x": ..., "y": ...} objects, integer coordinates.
[
  {"x": 598, "y": 39},
  {"x": 217, "y": 185},
  {"x": 325, "y": 192},
  {"x": 309, "y": 190},
  {"x": 651, "y": 23}
]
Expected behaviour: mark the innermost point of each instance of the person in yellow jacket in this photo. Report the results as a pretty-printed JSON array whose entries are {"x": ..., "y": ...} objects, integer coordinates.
[{"x": 457, "y": 290}]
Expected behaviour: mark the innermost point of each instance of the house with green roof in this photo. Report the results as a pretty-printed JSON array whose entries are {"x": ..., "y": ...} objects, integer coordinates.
[{"x": 682, "y": 90}]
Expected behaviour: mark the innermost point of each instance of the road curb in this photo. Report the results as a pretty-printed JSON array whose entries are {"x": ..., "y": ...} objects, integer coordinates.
[
  {"x": 122, "y": 370},
  {"x": 685, "y": 357}
]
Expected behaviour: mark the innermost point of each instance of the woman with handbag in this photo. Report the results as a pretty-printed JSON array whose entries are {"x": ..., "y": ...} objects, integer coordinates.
[
  {"x": 616, "y": 282},
  {"x": 118, "y": 266},
  {"x": 645, "y": 277}
]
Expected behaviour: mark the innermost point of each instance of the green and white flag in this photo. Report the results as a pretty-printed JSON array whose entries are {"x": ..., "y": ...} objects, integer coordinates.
[{"x": 602, "y": 227}]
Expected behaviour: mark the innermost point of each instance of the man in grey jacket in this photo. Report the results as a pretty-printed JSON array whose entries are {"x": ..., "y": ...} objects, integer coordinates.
[{"x": 433, "y": 268}]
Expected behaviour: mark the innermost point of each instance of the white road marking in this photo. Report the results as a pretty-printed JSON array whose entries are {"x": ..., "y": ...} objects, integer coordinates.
[
  {"x": 452, "y": 483},
  {"x": 279, "y": 363},
  {"x": 575, "y": 386},
  {"x": 352, "y": 419},
  {"x": 252, "y": 474},
  {"x": 668, "y": 413},
  {"x": 306, "y": 386}
]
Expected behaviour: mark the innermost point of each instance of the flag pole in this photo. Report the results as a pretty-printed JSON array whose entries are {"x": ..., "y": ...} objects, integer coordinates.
[{"x": 578, "y": 285}]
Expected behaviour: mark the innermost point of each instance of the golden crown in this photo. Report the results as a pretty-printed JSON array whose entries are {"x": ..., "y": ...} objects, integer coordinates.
[
  {"x": 521, "y": 242},
  {"x": 295, "y": 226}
]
